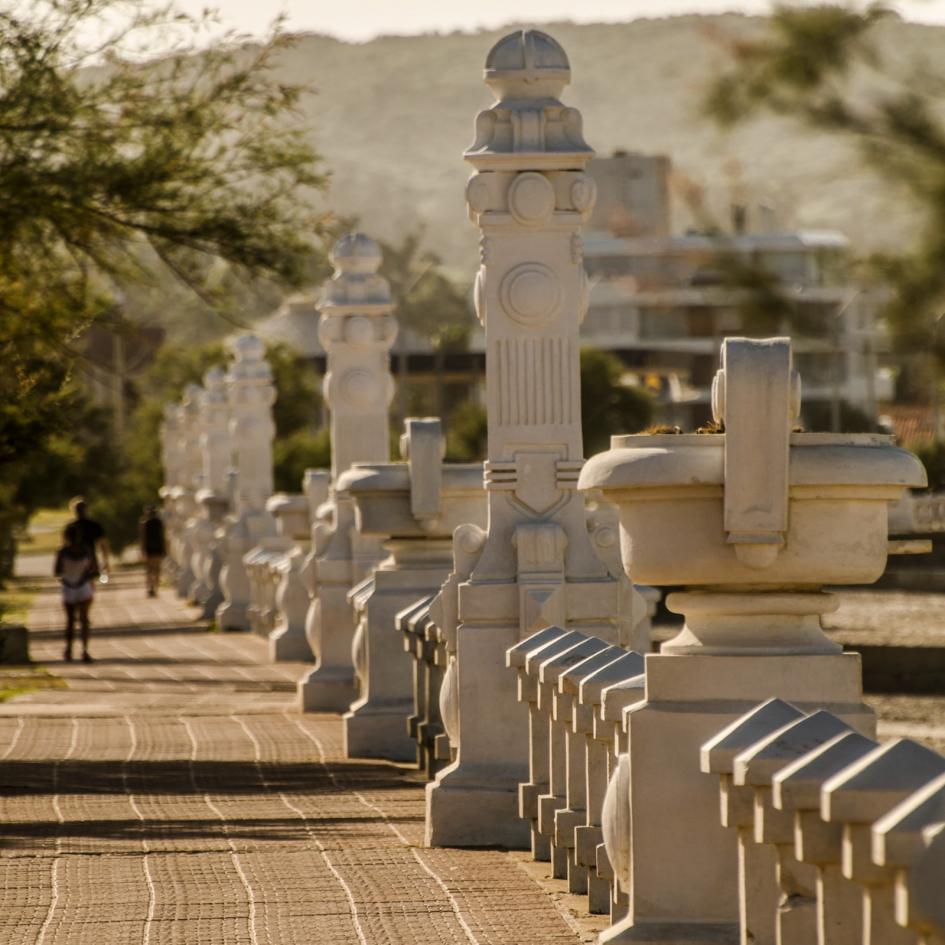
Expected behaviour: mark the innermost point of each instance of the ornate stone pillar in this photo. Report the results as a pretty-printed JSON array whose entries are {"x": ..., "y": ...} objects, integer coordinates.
[
  {"x": 215, "y": 455},
  {"x": 357, "y": 329},
  {"x": 250, "y": 396},
  {"x": 171, "y": 460},
  {"x": 529, "y": 195},
  {"x": 190, "y": 482}
]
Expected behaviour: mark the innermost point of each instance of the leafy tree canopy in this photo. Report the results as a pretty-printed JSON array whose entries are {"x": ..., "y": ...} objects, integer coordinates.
[
  {"x": 820, "y": 66},
  {"x": 117, "y": 171},
  {"x": 428, "y": 301}
]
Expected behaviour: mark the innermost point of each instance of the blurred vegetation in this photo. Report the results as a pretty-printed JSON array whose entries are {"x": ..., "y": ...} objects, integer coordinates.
[
  {"x": 467, "y": 433},
  {"x": 116, "y": 177},
  {"x": 932, "y": 455},
  {"x": 608, "y": 405},
  {"x": 137, "y": 476},
  {"x": 823, "y": 67},
  {"x": 428, "y": 301}
]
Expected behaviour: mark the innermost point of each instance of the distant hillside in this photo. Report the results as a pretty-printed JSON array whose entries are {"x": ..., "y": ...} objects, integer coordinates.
[{"x": 392, "y": 117}]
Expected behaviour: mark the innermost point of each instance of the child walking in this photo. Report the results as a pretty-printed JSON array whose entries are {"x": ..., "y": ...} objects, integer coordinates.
[{"x": 75, "y": 568}]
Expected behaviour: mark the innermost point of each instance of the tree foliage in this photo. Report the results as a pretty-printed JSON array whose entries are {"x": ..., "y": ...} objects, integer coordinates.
[
  {"x": 117, "y": 171},
  {"x": 822, "y": 66},
  {"x": 608, "y": 405},
  {"x": 428, "y": 301},
  {"x": 135, "y": 473}
]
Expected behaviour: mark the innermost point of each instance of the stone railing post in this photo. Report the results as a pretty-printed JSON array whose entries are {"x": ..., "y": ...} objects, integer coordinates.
[
  {"x": 357, "y": 329},
  {"x": 171, "y": 460},
  {"x": 753, "y": 522},
  {"x": 212, "y": 498},
  {"x": 191, "y": 481},
  {"x": 529, "y": 195},
  {"x": 250, "y": 395},
  {"x": 414, "y": 505},
  {"x": 287, "y": 637}
]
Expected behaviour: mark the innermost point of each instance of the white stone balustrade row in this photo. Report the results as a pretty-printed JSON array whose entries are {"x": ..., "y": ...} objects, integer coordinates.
[
  {"x": 425, "y": 725},
  {"x": 185, "y": 493},
  {"x": 837, "y": 835},
  {"x": 278, "y": 599},
  {"x": 414, "y": 507},
  {"x": 929, "y": 512},
  {"x": 565, "y": 678}
]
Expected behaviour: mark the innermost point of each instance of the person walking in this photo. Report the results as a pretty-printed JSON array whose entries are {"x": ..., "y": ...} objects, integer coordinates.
[
  {"x": 76, "y": 569},
  {"x": 153, "y": 547},
  {"x": 91, "y": 534}
]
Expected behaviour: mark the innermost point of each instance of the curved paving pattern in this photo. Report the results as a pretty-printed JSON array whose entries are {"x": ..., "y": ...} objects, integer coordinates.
[{"x": 172, "y": 796}]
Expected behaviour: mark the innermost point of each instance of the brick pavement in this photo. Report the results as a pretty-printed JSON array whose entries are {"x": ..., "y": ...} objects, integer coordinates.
[{"x": 172, "y": 795}]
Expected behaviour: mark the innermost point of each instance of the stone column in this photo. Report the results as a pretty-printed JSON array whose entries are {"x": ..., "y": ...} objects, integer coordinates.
[
  {"x": 529, "y": 194},
  {"x": 211, "y": 498},
  {"x": 287, "y": 639},
  {"x": 250, "y": 395},
  {"x": 190, "y": 482},
  {"x": 171, "y": 460},
  {"x": 357, "y": 329}
]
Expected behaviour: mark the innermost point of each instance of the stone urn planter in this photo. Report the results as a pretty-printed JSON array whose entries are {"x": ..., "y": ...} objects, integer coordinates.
[
  {"x": 753, "y": 522},
  {"x": 414, "y": 506},
  {"x": 756, "y": 520}
]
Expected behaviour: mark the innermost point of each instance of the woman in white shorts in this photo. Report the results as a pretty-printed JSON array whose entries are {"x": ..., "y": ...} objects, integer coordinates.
[{"x": 75, "y": 568}]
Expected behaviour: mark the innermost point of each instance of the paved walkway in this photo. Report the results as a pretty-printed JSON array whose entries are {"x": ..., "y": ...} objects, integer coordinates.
[{"x": 172, "y": 796}]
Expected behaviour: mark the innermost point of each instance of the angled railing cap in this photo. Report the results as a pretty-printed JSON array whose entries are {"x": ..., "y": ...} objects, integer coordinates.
[
  {"x": 718, "y": 754},
  {"x": 758, "y": 764}
]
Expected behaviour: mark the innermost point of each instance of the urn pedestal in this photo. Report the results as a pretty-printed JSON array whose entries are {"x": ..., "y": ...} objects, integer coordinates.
[
  {"x": 416, "y": 505},
  {"x": 753, "y": 522}
]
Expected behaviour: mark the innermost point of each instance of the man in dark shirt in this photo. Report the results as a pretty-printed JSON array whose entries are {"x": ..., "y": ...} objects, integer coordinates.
[
  {"x": 153, "y": 547},
  {"x": 90, "y": 533}
]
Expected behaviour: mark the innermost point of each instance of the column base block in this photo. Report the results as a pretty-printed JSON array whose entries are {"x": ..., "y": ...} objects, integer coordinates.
[
  {"x": 232, "y": 616},
  {"x": 287, "y": 646},
  {"x": 464, "y": 814},
  {"x": 326, "y": 691},
  {"x": 379, "y": 732}
]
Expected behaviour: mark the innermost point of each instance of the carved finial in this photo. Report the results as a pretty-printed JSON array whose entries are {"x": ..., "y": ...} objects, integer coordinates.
[
  {"x": 355, "y": 252},
  {"x": 356, "y": 282},
  {"x": 250, "y": 363},
  {"x": 527, "y": 64},
  {"x": 528, "y": 71},
  {"x": 422, "y": 446}
]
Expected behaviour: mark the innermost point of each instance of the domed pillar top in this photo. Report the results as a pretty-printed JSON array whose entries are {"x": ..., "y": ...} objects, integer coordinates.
[{"x": 528, "y": 125}]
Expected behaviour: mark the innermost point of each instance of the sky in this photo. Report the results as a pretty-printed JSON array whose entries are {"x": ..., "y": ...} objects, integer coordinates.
[{"x": 360, "y": 20}]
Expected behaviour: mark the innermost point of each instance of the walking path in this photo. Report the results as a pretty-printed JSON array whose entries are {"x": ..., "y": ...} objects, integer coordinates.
[{"x": 171, "y": 795}]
